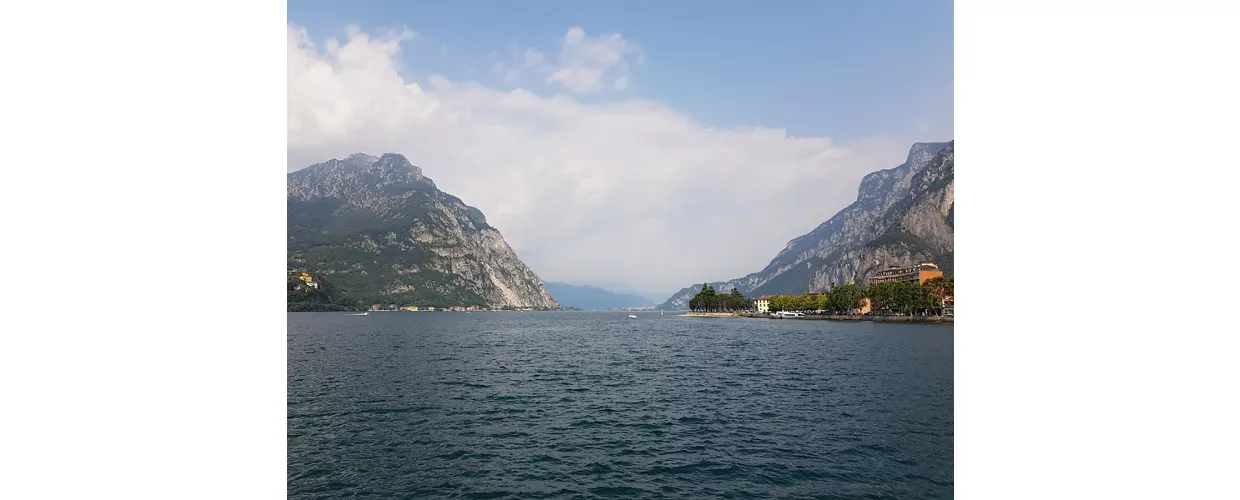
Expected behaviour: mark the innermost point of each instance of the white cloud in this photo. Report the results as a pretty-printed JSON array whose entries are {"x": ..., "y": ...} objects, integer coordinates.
[
  {"x": 529, "y": 59},
  {"x": 630, "y": 191},
  {"x": 586, "y": 62}
]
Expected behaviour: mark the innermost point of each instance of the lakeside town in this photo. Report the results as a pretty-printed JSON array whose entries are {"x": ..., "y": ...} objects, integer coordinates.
[{"x": 918, "y": 291}]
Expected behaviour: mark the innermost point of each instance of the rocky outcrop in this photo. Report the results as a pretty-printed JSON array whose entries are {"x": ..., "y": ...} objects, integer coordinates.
[
  {"x": 384, "y": 232},
  {"x": 901, "y": 215}
]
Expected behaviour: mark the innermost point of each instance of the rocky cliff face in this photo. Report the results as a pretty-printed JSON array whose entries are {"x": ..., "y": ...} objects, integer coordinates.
[
  {"x": 902, "y": 215},
  {"x": 382, "y": 231}
]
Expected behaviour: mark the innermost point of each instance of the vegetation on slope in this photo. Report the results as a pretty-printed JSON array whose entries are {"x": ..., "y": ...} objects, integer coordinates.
[{"x": 321, "y": 296}]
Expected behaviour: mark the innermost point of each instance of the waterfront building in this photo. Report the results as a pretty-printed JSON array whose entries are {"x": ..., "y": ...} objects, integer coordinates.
[
  {"x": 919, "y": 273},
  {"x": 763, "y": 303}
]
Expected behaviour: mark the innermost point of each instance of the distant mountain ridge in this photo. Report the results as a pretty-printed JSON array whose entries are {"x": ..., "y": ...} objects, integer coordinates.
[
  {"x": 901, "y": 215},
  {"x": 590, "y": 297},
  {"x": 381, "y": 230},
  {"x": 623, "y": 288}
]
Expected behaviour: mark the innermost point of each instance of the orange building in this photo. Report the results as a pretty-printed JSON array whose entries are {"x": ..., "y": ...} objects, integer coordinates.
[
  {"x": 919, "y": 273},
  {"x": 865, "y": 307}
]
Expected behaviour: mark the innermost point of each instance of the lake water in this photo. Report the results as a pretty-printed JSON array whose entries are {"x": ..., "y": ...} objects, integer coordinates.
[{"x": 598, "y": 405}]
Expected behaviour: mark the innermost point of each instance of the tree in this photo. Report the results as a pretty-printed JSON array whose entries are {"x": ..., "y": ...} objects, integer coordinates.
[
  {"x": 737, "y": 301},
  {"x": 702, "y": 301},
  {"x": 323, "y": 297},
  {"x": 907, "y": 296},
  {"x": 846, "y": 298},
  {"x": 777, "y": 303},
  {"x": 805, "y": 302},
  {"x": 707, "y": 299},
  {"x": 882, "y": 297},
  {"x": 822, "y": 302},
  {"x": 938, "y": 289}
]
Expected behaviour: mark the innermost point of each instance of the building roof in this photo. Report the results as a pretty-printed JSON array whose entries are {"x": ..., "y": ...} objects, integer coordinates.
[
  {"x": 922, "y": 266},
  {"x": 764, "y": 297}
]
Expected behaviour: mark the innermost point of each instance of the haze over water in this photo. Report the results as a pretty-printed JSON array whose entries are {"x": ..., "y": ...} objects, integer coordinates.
[{"x": 595, "y": 405}]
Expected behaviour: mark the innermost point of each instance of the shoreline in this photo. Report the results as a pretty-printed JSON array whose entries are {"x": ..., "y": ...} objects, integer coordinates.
[
  {"x": 832, "y": 317},
  {"x": 854, "y": 317}
]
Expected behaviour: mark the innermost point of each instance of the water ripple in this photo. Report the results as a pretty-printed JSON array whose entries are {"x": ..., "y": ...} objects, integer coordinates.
[{"x": 596, "y": 405}]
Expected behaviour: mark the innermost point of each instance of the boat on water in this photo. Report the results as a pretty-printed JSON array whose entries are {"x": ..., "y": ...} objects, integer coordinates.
[
  {"x": 634, "y": 316},
  {"x": 365, "y": 313}
]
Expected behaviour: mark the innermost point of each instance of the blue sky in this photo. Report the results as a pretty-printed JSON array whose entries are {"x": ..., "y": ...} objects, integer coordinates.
[
  {"x": 591, "y": 134},
  {"x": 843, "y": 70}
]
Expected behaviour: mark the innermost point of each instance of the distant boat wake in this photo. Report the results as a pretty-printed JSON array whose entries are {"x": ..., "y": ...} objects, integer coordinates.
[{"x": 367, "y": 313}]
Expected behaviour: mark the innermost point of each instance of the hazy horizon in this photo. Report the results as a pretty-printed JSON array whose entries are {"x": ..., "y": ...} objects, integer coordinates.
[{"x": 611, "y": 147}]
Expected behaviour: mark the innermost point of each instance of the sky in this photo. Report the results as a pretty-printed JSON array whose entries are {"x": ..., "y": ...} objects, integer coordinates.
[{"x": 655, "y": 144}]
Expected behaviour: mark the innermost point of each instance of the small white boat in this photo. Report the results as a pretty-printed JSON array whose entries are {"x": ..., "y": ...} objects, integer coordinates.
[
  {"x": 634, "y": 316},
  {"x": 367, "y": 313}
]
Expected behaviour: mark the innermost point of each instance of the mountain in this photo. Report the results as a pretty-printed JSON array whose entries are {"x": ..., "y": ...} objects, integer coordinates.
[
  {"x": 316, "y": 295},
  {"x": 611, "y": 286},
  {"x": 655, "y": 297},
  {"x": 902, "y": 215},
  {"x": 380, "y": 230},
  {"x": 593, "y": 298},
  {"x": 622, "y": 288}
]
